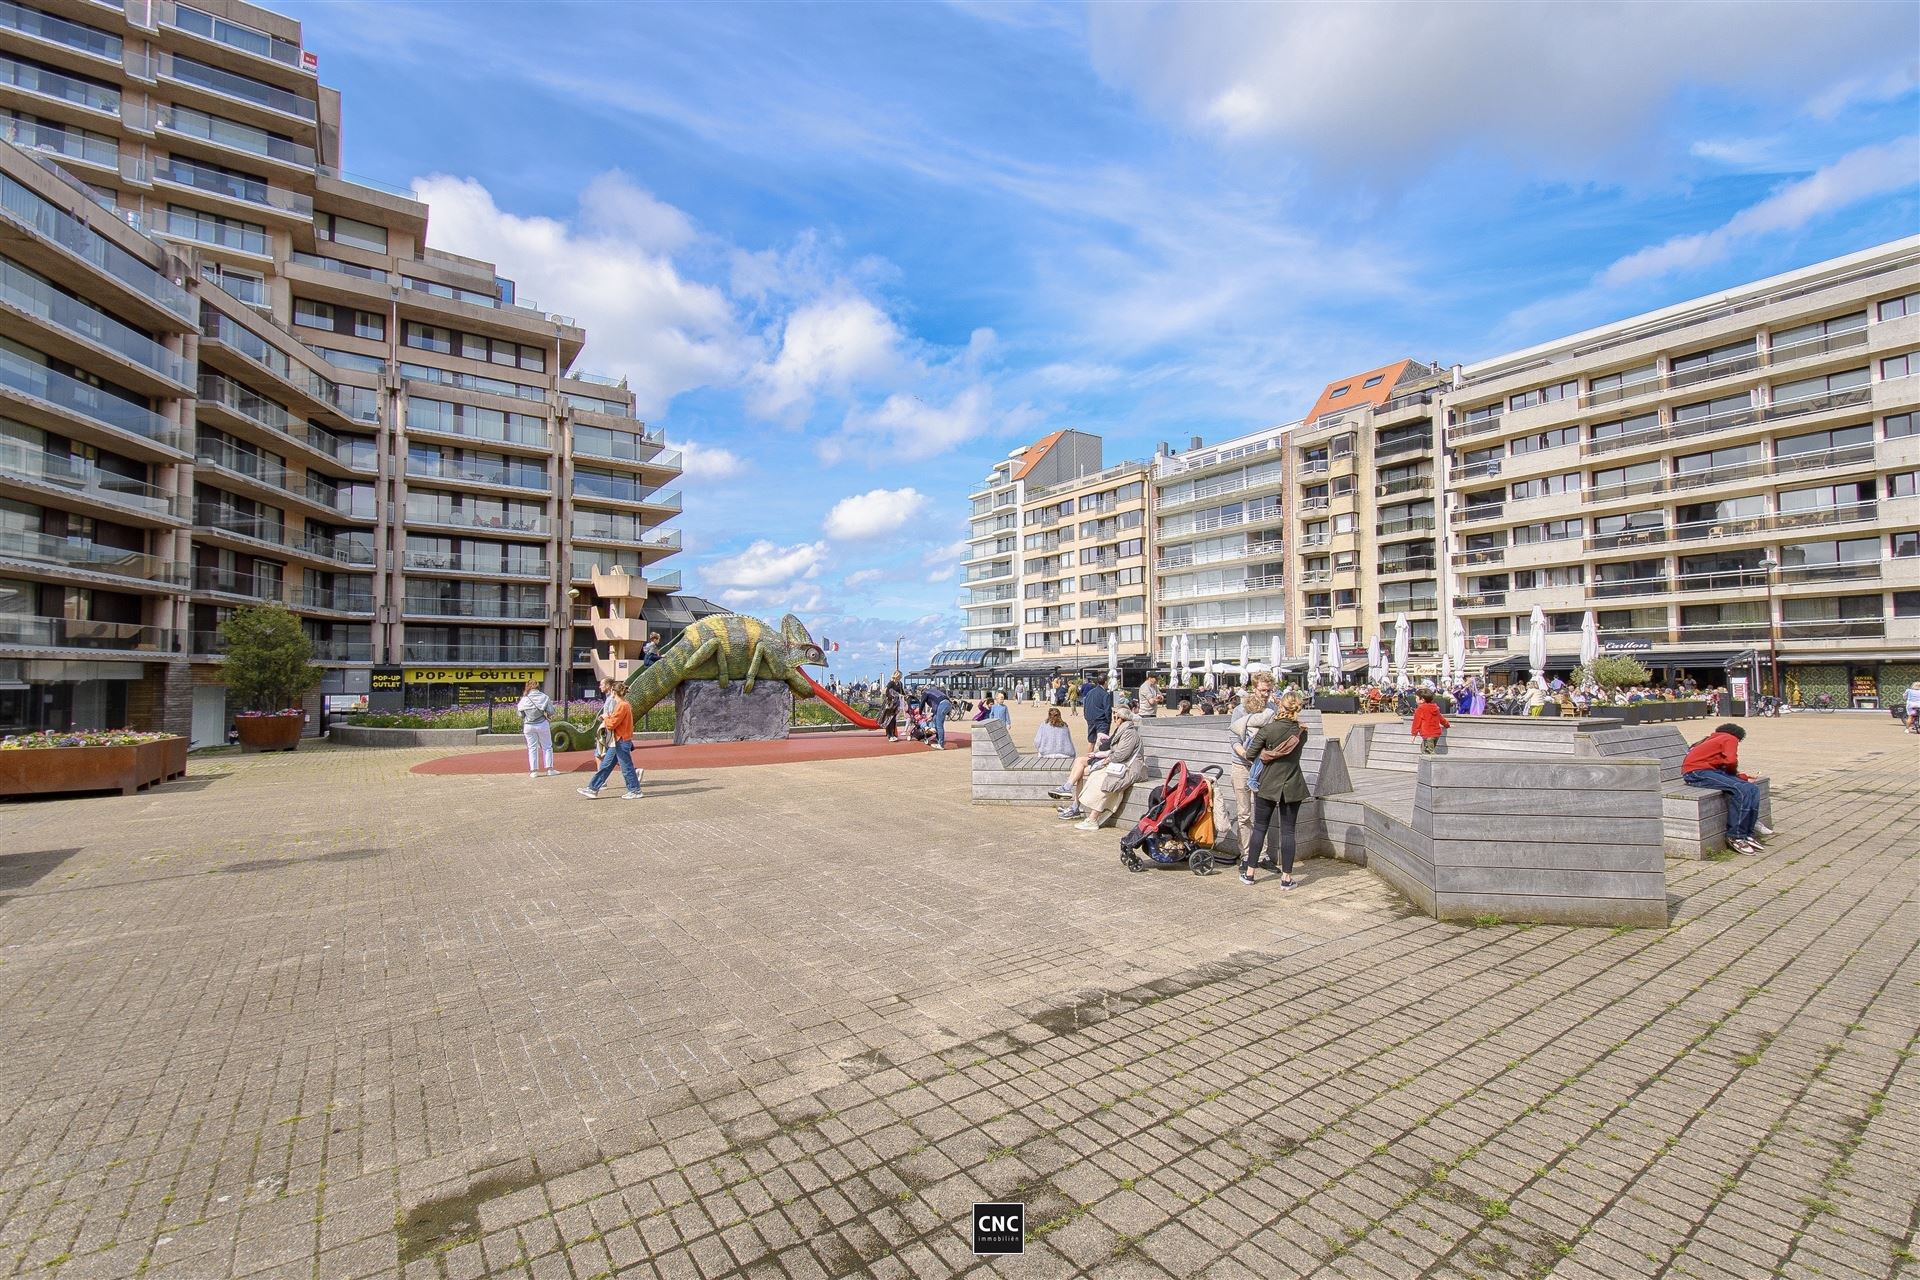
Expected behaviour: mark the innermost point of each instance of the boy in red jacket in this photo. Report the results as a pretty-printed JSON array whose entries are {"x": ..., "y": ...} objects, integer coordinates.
[
  {"x": 1714, "y": 763},
  {"x": 1429, "y": 724}
]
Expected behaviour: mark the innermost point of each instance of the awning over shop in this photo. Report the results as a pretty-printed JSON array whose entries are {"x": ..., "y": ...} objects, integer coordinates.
[{"x": 1652, "y": 659}]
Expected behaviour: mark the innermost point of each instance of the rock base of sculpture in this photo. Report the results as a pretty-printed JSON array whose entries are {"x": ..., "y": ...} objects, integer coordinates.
[{"x": 705, "y": 712}]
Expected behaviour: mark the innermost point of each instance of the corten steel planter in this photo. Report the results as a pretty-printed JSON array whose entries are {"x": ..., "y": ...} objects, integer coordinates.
[
  {"x": 269, "y": 733},
  {"x": 62, "y": 770}
]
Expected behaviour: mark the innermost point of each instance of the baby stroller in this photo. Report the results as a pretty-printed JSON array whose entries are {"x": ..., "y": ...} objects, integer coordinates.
[{"x": 1177, "y": 826}]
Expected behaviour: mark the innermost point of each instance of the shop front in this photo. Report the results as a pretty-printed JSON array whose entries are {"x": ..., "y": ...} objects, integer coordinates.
[{"x": 438, "y": 688}]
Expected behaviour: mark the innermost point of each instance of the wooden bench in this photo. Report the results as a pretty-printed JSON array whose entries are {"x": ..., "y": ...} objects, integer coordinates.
[
  {"x": 1202, "y": 741},
  {"x": 1694, "y": 818},
  {"x": 1003, "y": 774}
]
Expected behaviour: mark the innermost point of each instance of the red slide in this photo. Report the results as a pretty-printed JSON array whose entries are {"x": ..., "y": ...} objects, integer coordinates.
[{"x": 852, "y": 716}]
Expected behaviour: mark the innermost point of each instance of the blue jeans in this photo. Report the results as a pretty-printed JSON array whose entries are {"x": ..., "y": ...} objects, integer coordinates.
[
  {"x": 1743, "y": 799},
  {"x": 940, "y": 710},
  {"x": 621, "y": 754}
]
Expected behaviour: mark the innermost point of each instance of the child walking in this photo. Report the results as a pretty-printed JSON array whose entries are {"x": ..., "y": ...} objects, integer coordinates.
[{"x": 1429, "y": 724}]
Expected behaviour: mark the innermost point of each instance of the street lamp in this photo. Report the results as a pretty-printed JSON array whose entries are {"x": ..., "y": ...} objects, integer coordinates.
[
  {"x": 562, "y": 638},
  {"x": 1767, "y": 565},
  {"x": 897, "y": 641}
]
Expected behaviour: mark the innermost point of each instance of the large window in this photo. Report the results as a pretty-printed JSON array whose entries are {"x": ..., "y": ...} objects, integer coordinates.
[
  {"x": 350, "y": 232},
  {"x": 335, "y": 318}
]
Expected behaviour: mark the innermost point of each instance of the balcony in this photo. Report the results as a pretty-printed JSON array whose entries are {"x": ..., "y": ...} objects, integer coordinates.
[
  {"x": 1473, "y": 513},
  {"x": 69, "y": 35},
  {"x": 68, "y": 144},
  {"x": 1409, "y": 564},
  {"x": 1408, "y": 484},
  {"x": 257, "y": 144},
  {"x": 1480, "y": 600},
  {"x": 1610, "y": 590},
  {"x": 500, "y": 610},
  {"x": 18, "y": 631},
  {"x": 452, "y": 517},
  {"x": 75, "y": 478},
  {"x": 1825, "y": 344},
  {"x": 342, "y": 650},
  {"x": 1849, "y": 398},
  {"x": 226, "y": 582},
  {"x": 1314, "y": 504},
  {"x": 338, "y": 266},
  {"x": 1748, "y": 526},
  {"x": 634, "y": 495},
  {"x": 45, "y": 83},
  {"x": 232, "y": 35},
  {"x": 1621, "y": 392},
  {"x": 72, "y": 553},
  {"x": 481, "y": 429},
  {"x": 1394, "y": 446},
  {"x": 1713, "y": 371},
  {"x": 1489, "y": 555},
  {"x": 1314, "y": 467},
  {"x": 1413, "y": 524},
  {"x": 334, "y": 601},
  {"x": 72, "y": 396},
  {"x": 240, "y": 237},
  {"x": 1412, "y": 604},
  {"x": 1834, "y": 629},
  {"x": 236, "y": 88},
  {"x": 464, "y": 471},
  {"x": 181, "y": 172},
  {"x": 451, "y": 562},
  {"x": 214, "y": 519},
  {"x": 27, "y": 292},
  {"x": 1476, "y": 426}
]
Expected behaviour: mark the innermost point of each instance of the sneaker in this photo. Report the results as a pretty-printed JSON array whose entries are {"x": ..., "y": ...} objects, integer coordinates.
[
  {"x": 630, "y": 795},
  {"x": 936, "y": 746},
  {"x": 1071, "y": 812},
  {"x": 552, "y": 772},
  {"x": 1061, "y": 793},
  {"x": 1087, "y": 824},
  {"x": 1246, "y": 876},
  {"x": 1746, "y": 846},
  {"x": 589, "y": 793},
  {"x": 1762, "y": 829},
  {"x": 534, "y": 774}
]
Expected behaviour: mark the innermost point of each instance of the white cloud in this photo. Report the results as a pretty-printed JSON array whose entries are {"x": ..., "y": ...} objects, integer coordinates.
[
  {"x": 765, "y": 564},
  {"x": 707, "y": 462},
  {"x": 828, "y": 345},
  {"x": 1865, "y": 91},
  {"x": 906, "y": 427},
  {"x": 665, "y": 333},
  {"x": 864, "y": 578},
  {"x": 873, "y": 513},
  {"x": 1560, "y": 88},
  {"x": 1857, "y": 176}
]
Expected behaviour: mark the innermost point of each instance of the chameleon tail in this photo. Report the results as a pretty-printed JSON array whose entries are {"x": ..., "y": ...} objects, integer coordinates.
[{"x": 646, "y": 690}]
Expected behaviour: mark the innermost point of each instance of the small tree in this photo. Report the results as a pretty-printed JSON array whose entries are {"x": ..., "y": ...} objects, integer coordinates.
[
  {"x": 269, "y": 658},
  {"x": 1612, "y": 672}
]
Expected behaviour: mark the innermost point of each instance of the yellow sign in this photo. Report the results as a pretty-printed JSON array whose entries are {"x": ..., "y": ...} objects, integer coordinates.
[
  {"x": 473, "y": 675},
  {"x": 389, "y": 680}
]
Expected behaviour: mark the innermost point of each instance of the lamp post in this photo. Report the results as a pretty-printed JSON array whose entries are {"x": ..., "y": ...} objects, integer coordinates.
[
  {"x": 1767, "y": 565},
  {"x": 562, "y": 637},
  {"x": 897, "y": 641}
]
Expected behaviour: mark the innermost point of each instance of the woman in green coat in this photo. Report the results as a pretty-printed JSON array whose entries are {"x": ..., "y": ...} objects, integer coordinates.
[{"x": 1281, "y": 791}]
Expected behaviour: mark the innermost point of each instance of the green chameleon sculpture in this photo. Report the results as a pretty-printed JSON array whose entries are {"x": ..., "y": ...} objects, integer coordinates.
[{"x": 724, "y": 648}]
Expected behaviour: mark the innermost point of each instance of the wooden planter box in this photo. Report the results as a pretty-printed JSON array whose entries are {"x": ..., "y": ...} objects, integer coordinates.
[
  {"x": 1342, "y": 704},
  {"x": 269, "y": 733},
  {"x": 61, "y": 770}
]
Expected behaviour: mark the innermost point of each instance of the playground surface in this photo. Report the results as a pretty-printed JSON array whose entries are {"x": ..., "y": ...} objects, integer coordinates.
[
  {"x": 663, "y": 757},
  {"x": 325, "y": 1016}
]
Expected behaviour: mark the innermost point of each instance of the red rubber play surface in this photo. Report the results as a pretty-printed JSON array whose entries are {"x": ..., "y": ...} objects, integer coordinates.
[{"x": 664, "y": 756}]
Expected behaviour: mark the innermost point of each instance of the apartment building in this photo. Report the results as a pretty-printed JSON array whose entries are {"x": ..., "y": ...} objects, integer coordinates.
[
  {"x": 992, "y": 572},
  {"x": 1363, "y": 490},
  {"x": 1220, "y": 547},
  {"x": 1085, "y": 552},
  {"x": 1724, "y": 483},
  {"x": 231, "y": 373}
]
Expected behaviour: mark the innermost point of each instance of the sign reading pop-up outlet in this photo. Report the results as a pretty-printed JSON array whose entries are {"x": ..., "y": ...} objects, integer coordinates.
[{"x": 1000, "y": 1227}]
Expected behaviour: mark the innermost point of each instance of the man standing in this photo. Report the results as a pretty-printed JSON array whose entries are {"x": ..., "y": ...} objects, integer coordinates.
[
  {"x": 617, "y": 719},
  {"x": 937, "y": 702},
  {"x": 1097, "y": 705},
  {"x": 1150, "y": 698}
]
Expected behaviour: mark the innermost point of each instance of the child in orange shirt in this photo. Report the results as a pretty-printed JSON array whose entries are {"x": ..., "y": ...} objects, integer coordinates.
[{"x": 1429, "y": 724}]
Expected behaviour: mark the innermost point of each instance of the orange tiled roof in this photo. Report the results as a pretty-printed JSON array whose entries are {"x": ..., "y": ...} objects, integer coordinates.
[
  {"x": 1036, "y": 451},
  {"x": 1357, "y": 392}
]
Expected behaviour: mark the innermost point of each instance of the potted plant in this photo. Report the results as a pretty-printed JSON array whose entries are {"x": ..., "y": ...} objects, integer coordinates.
[
  {"x": 35, "y": 764},
  {"x": 1610, "y": 673},
  {"x": 269, "y": 668}
]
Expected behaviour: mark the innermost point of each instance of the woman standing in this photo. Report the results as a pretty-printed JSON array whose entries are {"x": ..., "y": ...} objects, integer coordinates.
[
  {"x": 1255, "y": 715},
  {"x": 893, "y": 706},
  {"x": 1280, "y": 793},
  {"x": 536, "y": 725}
]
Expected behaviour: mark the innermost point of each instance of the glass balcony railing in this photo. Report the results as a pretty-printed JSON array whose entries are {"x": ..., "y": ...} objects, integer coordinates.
[
  {"x": 461, "y": 518},
  {"x": 664, "y": 581},
  {"x": 440, "y": 607},
  {"x": 240, "y": 524},
  {"x": 185, "y": 173},
  {"x": 328, "y": 649},
  {"x": 22, "y": 631},
  {"x": 230, "y": 85},
  {"x": 83, "y": 479},
  {"x": 68, "y": 143},
  {"x": 244, "y": 462},
  {"x": 242, "y": 138},
  {"x": 228, "y": 583},
  {"x": 90, "y": 557},
  {"x": 348, "y": 550},
  {"x": 638, "y": 494},
  {"x": 481, "y": 427},
  {"x": 76, "y": 397},
  {"x": 23, "y": 205},
  {"x": 356, "y": 452},
  {"x": 46, "y": 83},
  {"x": 23, "y": 289},
  {"x": 451, "y": 562},
  {"x": 242, "y": 237},
  {"x": 225, "y": 329},
  {"x": 232, "y": 34},
  {"x": 336, "y": 601},
  {"x": 471, "y": 382},
  {"x": 478, "y": 473},
  {"x": 44, "y": 26}
]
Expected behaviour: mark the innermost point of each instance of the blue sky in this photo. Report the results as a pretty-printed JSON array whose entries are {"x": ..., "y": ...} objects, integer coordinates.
[{"x": 850, "y": 255}]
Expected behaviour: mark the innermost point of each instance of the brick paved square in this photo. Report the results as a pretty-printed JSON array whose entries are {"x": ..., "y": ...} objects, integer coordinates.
[{"x": 325, "y": 1017}]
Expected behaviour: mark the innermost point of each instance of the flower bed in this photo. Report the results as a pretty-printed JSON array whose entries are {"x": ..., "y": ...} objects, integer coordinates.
[{"x": 40, "y": 764}]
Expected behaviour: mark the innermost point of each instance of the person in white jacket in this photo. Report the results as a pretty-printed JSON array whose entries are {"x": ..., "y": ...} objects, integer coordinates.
[{"x": 536, "y": 725}]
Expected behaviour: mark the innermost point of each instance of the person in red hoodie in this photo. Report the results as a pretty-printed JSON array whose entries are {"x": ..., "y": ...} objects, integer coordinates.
[
  {"x": 1714, "y": 763},
  {"x": 1429, "y": 724}
]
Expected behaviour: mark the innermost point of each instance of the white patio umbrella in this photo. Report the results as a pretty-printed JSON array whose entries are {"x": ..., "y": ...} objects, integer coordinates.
[
  {"x": 1402, "y": 641},
  {"x": 1179, "y": 663},
  {"x": 1376, "y": 662},
  {"x": 1589, "y": 641},
  {"x": 1313, "y": 660},
  {"x": 1113, "y": 658},
  {"x": 1446, "y": 670},
  {"x": 1246, "y": 650},
  {"x": 1333, "y": 659},
  {"x": 1537, "y": 644},
  {"x": 1457, "y": 642},
  {"x": 1273, "y": 658}
]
